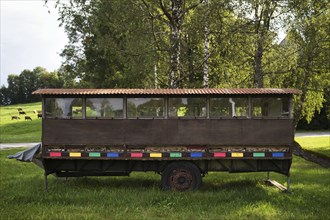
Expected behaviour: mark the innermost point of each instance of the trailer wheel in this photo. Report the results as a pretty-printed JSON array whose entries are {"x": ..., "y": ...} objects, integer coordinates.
[{"x": 181, "y": 176}]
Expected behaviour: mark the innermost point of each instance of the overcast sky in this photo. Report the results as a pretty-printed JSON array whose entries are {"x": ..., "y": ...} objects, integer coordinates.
[{"x": 30, "y": 37}]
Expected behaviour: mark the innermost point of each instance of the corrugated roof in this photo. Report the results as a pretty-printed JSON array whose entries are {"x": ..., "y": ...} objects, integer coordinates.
[{"x": 208, "y": 91}]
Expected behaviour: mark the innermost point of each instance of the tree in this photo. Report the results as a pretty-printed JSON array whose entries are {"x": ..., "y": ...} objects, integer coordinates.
[
  {"x": 206, "y": 44},
  {"x": 15, "y": 89},
  {"x": 310, "y": 34},
  {"x": 226, "y": 60},
  {"x": 301, "y": 59},
  {"x": 262, "y": 20},
  {"x": 102, "y": 53},
  {"x": 4, "y": 96},
  {"x": 110, "y": 44},
  {"x": 175, "y": 15},
  {"x": 20, "y": 87}
]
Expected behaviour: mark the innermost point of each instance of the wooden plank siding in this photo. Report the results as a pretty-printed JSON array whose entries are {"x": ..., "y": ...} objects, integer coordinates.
[{"x": 168, "y": 132}]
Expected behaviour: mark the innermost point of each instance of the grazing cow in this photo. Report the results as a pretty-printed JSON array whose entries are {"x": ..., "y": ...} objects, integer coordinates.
[
  {"x": 22, "y": 113},
  {"x": 39, "y": 115},
  {"x": 39, "y": 112},
  {"x": 15, "y": 117},
  {"x": 28, "y": 118},
  {"x": 19, "y": 109}
]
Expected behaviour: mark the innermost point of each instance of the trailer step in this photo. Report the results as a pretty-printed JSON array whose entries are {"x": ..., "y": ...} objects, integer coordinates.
[{"x": 276, "y": 184}]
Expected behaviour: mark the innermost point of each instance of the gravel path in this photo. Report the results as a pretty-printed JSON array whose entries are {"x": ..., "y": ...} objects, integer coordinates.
[{"x": 312, "y": 134}]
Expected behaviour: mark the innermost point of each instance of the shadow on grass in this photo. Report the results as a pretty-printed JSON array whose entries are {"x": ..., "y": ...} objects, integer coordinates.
[
  {"x": 147, "y": 182},
  {"x": 111, "y": 183},
  {"x": 230, "y": 185}
]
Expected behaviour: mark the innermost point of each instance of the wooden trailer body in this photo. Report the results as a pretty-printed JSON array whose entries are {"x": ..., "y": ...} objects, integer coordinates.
[{"x": 89, "y": 132}]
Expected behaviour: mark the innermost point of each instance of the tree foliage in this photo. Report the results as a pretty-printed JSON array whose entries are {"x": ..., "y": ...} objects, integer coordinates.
[
  {"x": 20, "y": 87},
  {"x": 308, "y": 44},
  {"x": 110, "y": 43}
]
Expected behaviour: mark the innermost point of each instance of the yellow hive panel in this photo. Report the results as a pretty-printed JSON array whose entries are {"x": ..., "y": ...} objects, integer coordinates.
[
  {"x": 155, "y": 154},
  {"x": 236, "y": 154},
  {"x": 75, "y": 154}
]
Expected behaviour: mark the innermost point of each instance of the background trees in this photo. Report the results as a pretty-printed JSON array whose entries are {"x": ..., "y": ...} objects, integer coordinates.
[
  {"x": 20, "y": 87},
  {"x": 310, "y": 36}
]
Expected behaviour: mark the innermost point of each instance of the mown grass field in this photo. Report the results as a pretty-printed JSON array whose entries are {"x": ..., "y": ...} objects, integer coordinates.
[
  {"x": 15, "y": 131},
  {"x": 321, "y": 145},
  {"x": 222, "y": 195}
]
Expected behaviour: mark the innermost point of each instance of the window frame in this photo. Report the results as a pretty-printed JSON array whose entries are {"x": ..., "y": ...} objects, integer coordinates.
[
  {"x": 44, "y": 103},
  {"x": 229, "y": 116},
  {"x": 206, "y": 98},
  {"x": 105, "y": 97},
  {"x": 145, "y": 97},
  {"x": 166, "y": 106},
  {"x": 289, "y": 106}
]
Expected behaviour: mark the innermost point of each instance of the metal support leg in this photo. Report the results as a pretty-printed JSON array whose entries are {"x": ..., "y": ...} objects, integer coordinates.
[
  {"x": 288, "y": 183},
  {"x": 46, "y": 182},
  {"x": 268, "y": 175}
]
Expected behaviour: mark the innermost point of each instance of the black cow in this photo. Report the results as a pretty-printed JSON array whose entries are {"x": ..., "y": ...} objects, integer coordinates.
[{"x": 28, "y": 118}]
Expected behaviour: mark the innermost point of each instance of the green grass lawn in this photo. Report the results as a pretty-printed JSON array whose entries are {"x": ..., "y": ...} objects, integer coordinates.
[
  {"x": 320, "y": 145},
  {"x": 222, "y": 195},
  {"x": 15, "y": 131}
]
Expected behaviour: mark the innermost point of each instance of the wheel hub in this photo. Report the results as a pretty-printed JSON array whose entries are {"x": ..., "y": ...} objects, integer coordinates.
[{"x": 181, "y": 180}]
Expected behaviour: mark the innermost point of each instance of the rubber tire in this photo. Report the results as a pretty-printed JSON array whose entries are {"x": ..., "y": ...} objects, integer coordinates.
[{"x": 181, "y": 176}]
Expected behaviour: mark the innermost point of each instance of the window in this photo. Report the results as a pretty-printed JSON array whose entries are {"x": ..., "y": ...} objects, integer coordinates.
[
  {"x": 104, "y": 107},
  {"x": 270, "y": 107},
  {"x": 63, "y": 107},
  {"x": 228, "y": 107},
  {"x": 145, "y": 107},
  {"x": 187, "y": 107}
]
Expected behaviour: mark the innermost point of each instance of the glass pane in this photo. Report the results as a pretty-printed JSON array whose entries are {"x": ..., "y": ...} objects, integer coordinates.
[
  {"x": 270, "y": 107},
  {"x": 145, "y": 107},
  {"x": 228, "y": 107},
  {"x": 187, "y": 107},
  {"x": 63, "y": 107},
  {"x": 220, "y": 107},
  {"x": 104, "y": 107}
]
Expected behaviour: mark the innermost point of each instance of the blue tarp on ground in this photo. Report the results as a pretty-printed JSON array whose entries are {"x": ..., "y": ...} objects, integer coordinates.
[{"x": 26, "y": 155}]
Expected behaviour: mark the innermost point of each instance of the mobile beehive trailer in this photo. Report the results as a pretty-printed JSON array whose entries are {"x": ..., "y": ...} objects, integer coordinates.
[{"x": 181, "y": 134}]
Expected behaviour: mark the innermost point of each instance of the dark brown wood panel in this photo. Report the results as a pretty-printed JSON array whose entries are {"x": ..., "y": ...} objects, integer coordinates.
[
  {"x": 226, "y": 132},
  {"x": 267, "y": 131},
  {"x": 163, "y": 132}
]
